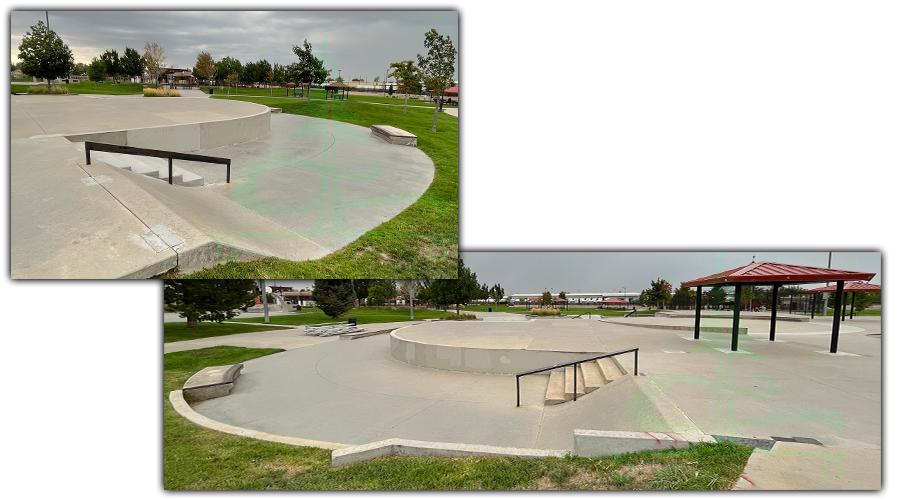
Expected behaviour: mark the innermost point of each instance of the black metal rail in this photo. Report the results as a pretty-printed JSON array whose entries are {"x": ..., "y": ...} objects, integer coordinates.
[
  {"x": 156, "y": 153},
  {"x": 575, "y": 371},
  {"x": 582, "y": 314}
]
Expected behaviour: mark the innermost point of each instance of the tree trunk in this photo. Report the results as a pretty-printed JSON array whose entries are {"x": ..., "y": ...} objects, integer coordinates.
[
  {"x": 192, "y": 323},
  {"x": 49, "y": 88},
  {"x": 404, "y": 103},
  {"x": 434, "y": 121},
  {"x": 457, "y": 304}
]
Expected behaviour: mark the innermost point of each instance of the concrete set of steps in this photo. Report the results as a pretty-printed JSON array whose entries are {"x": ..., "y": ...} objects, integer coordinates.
[
  {"x": 157, "y": 168},
  {"x": 563, "y": 385}
]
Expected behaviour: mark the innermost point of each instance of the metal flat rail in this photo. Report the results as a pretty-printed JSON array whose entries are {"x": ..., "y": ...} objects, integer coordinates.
[{"x": 156, "y": 153}]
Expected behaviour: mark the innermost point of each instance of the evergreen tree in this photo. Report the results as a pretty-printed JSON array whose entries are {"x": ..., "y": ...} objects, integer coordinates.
[
  {"x": 208, "y": 300},
  {"x": 333, "y": 297},
  {"x": 131, "y": 63},
  {"x": 458, "y": 291}
]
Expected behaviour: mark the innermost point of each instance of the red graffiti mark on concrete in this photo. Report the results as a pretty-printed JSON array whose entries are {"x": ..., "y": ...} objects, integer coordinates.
[
  {"x": 748, "y": 480},
  {"x": 651, "y": 435}
]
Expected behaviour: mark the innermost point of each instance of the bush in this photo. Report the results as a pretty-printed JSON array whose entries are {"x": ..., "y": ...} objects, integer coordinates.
[
  {"x": 161, "y": 93},
  {"x": 458, "y": 317},
  {"x": 544, "y": 312},
  {"x": 42, "y": 89}
]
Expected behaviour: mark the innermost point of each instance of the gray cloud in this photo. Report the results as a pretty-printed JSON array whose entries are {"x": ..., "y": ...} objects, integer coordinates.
[
  {"x": 359, "y": 43},
  {"x": 531, "y": 272}
]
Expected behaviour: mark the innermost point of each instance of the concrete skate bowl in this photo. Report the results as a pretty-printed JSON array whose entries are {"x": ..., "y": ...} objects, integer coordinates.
[{"x": 301, "y": 188}]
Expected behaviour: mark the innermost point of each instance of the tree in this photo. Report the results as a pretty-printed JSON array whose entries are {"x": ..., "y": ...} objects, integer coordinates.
[
  {"x": 80, "y": 69},
  {"x": 205, "y": 66},
  {"x": 404, "y": 289},
  {"x": 458, "y": 291},
  {"x": 208, "y": 300},
  {"x": 44, "y": 55},
  {"x": 717, "y": 296},
  {"x": 270, "y": 78},
  {"x": 280, "y": 74},
  {"x": 154, "y": 59},
  {"x": 310, "y": 69},
  {"x": 231, "y": 79},
  {"x": 863, "y": 300},
  {"x": 131, "y": 64},
  {"x": 546, "y": 298},
  {"x": 660, "y": 292},
  {"x": 380, "y": 291},
  {"x": 339, "y": 79},
  {"x": 226, "y": 67},
  {"x": 437, "y": 66},
  {"x": 406, "y": 73},
  {"x": 497, "y": 293},
  {"x": 111, "y": 59},
  {"x": 96, "y": 71},
  {"x": 333, "y": 297},
  {"x": 562, "y": 295},
  {"x": 682, "y": 298}
]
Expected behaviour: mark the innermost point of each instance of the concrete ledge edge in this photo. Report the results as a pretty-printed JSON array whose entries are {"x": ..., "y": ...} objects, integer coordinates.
[
  {"x": 592, "y": 443},
  {"x": 411, "y": 448},
  {"x": 182, "y": 408}
]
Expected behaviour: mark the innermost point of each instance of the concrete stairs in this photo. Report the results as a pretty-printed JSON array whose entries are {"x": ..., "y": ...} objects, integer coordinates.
[
  {"x": 157, "y": 168},
  {"x": 566, "y": 383}
]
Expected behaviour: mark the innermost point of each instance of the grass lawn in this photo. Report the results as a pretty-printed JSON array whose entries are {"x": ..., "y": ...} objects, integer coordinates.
[
  {"x": 573, "y": 310},
  {"x": 199, "y": 459},
  {"x": 107, "y": 88},
  {"x": 363, "y": 316},
  {"x": 320, "y": 94},
  {"x": 422, "y": 241},
  {"x": 866, "y": 312},
  {"x": 176, "y": 331}
]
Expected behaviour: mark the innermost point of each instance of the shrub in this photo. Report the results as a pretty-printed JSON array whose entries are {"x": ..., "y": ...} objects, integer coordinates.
[
  {"x": 161, "y": 93},
  {"x": 544, "y": 312},
  {"x": 42, "y": 89},
  {"x": 458, "y": 317}
]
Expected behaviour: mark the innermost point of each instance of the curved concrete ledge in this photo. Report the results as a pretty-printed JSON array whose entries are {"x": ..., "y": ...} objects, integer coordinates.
[
  {"x": 212, "y": 381},
  {"x": 188, "y": 136},
  {"x": 475, "y": 359},
  {"x": 185, "y": 410}
]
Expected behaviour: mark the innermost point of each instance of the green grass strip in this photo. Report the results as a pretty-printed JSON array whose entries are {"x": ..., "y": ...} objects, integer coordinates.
[{"x": 177, "y": 331}]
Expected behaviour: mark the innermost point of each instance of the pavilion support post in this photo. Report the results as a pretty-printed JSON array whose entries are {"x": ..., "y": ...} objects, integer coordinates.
[
  {"x": 774, "y": 312},
  {"x": 813, "y": 313},
  {"x": 737, "y": 318},
  {"x": 697, "y": 314},
  {"x": 852, "y": 303},
  {"x": 844, "y": 306},
  {"x": 836, "y": 323}
]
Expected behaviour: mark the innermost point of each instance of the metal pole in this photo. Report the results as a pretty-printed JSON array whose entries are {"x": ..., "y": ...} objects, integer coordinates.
[
  {"x": 844, "y": 308},
  {"x": 737, "y": 318},
  {"x": 228, "y": 172},
  {"x": 575, "y": 382},
  {"x": 635, "y": 362},
  {"x": 774, "y": 312},
  {"x": 517, "y": 391},
  {"x": 696, "y": 317},
  {"x": 825, "y": 295},
  {"x": 412, "y": 298},
  {"x": 170, "y": 171},
  {"x": 265, "y": 299},
  {"x": 836, "y": 323},
  {"x": 813, "y": 313},
  {"x": 852, "y": 303},
  {"x": 87, "y": 153}
]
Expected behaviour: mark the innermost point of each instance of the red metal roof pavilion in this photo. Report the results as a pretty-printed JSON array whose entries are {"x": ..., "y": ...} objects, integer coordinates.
[
  {"x": 852, "y": 287},
  {"x": 775, "y": 274}
]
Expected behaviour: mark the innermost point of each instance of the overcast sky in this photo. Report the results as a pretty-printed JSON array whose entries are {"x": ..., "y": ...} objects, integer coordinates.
[
  {"x": 534, "y": 272},
  {"x": 359, "y": 43}
]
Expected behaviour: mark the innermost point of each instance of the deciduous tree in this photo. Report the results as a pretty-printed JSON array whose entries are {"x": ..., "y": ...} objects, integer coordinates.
[
  {"x": 154, "y": 59},
  {"x": 96, "y": 71},
  {"x": 205, "y": 66},
  {"x": 458, "y": 291},
  {"x": 44, "y": 55},
  {"x": 406, "y": 73},
  {"x": 438, "y": 66},
  {"x": 111, "y": 59},
  {"x": 208, "y": 300},
  {"x": 380, "y": 291}
]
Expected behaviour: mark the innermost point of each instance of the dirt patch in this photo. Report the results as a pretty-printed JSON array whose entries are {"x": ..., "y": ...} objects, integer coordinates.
[
  {"x": 290, "y": 469},
  {"x": 587, "y": 480},
  {"x": 640, "y": 472},
  {"x": 544, "y": 483}
]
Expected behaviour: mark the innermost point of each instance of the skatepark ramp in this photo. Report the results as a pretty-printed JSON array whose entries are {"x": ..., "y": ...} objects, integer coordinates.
[{"x": 577, "y": 378}]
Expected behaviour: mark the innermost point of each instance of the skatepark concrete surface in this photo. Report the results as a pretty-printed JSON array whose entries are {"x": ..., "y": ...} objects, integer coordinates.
[
  {"x": 353, "y": 393},
  {"x": 301, "y": 191}
]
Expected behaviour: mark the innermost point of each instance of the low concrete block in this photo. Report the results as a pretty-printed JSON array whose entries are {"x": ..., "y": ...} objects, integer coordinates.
[
  {"x": 411, "y": 448},
  {"x": 394, "y": 135},
  {"x": 590, "y": 443},
  {"x": 212, "y": 381}
]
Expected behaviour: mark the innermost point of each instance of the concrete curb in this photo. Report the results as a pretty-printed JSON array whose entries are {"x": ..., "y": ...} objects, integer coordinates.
[
  {"x": 410, "y": 448},
  {"x": 182, "y": 408},
  {"x": 589, "y": 443}
]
